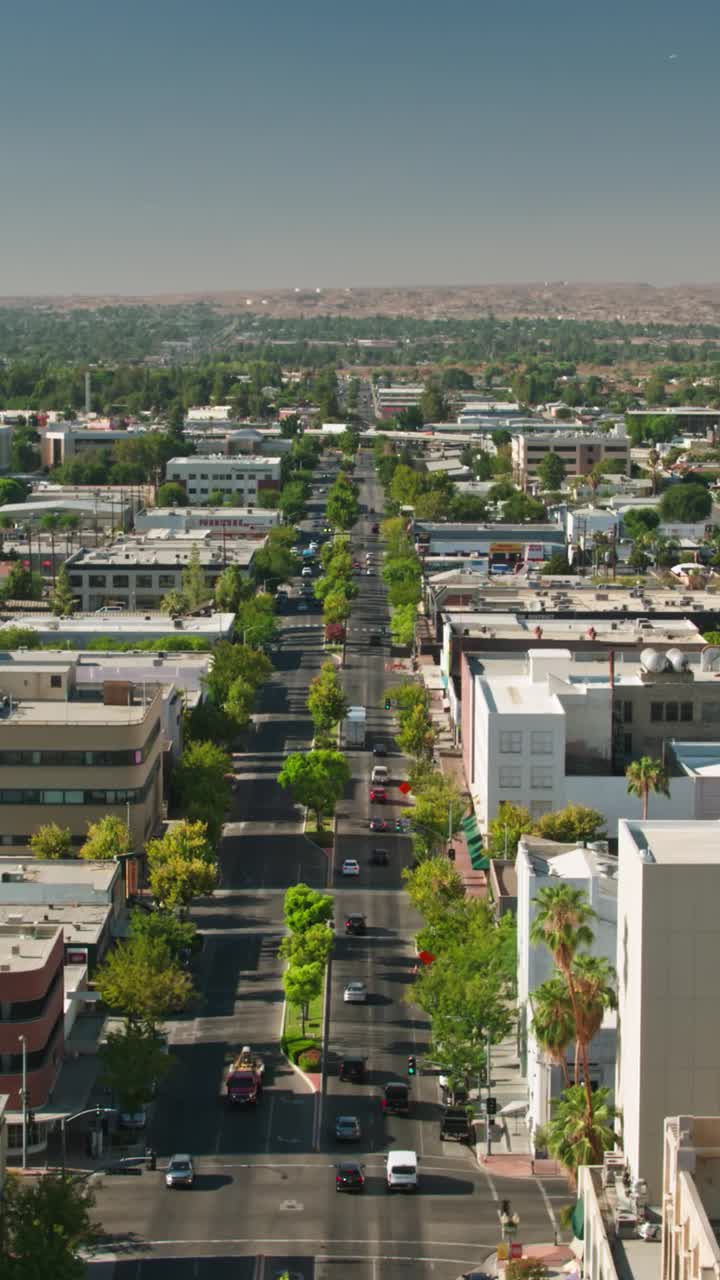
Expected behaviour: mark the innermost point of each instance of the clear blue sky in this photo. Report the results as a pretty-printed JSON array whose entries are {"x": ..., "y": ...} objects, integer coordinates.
[{"x": 166, "y": 145}]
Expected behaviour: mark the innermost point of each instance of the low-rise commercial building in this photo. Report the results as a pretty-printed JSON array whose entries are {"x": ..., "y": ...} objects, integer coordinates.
[
  {"x": 60, "y": 443},
  {"x": 580, "y": 451},
  {"x": 504, "y": 543},
  {"x": 689, "y": 419},
  {"x": 137, "y": 573},
  {"x": 691, "y": 1198},
  {"x": 668, "y": 995},
  {"x": 241, "y": 477},
  {"x": 220, "y": 522},
  {"x": 32, "y": 1025},
  {"x": 114, "y": 624}
]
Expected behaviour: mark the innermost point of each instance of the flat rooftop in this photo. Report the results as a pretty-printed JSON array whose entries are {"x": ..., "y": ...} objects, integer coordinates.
[
  {"x": 549, "y": 595},
  {"x": 117, "y": 622},
  {"x": 509, "y": 695},
  {"x": 577, "y": 669},
  {"x": 676, "y": 843},
  {"x": 167, "y": 552},
  {"x": 82, "y": 926},
  {"x": 71, "y": 712},
  {"x": 56, "y": 873},
  {"x": 236, "y": 462},
  {"x": 511, "y": 626},
  {"x": 26, "y": 946}
]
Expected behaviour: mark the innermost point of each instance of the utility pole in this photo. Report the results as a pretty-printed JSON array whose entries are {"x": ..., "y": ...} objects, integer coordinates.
[{"x": 24, "y": 1098}]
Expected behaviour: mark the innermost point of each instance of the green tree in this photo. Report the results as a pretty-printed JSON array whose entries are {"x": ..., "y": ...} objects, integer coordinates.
[
  {"x": 433, "y": 886},
  {"x": 506, "y": 828},
  {"x": 326, "y": 701},
  {"x": 574, "y": 822},
  {"x": 553, "y": 1021},
  {"x": 256, "y": 621},
  {"x": 439, "y": 808},
  {"x": 46, "y": 1228},
  {"x": 22, "y": 584},
  {"x": 686, "y": 503},
  {"x": 302, "y": 984},
  {"x": 644, "y": 776},
  {"x": 551, "y": 471},
  {"x": 342, "y": 506},
  {"x": 336, "y": 607},
  {"x": 231, "y": 661},
  {"x": 175, "y": 604},
  {"x": 305, "y": 908},
  {"x": 402, "y": 625},
  {"x": 171, "y": 494},
  {"x": 194, "y": 588},
  {"x": 133, "y": 1061},
  {"x": 309, "y": 946},
  {"x": 176, "y": 882},
  {"x": 186, "y": 839},
  {"x": 416, "y": 736},
  {"x": 107, "y": 838},
  {"x": 52, "y": 841},
  {"x": 139, "y": 980},
  {"x": 230, "y": 589},
  {"x": 62, "y": 601},
  {"x": 12, "y": 490},
  {"x": 293, "y": 501},
  {"x": 638, "y": 521},
  {"x": 317, "y": 779},
  {"x": 179, "y": 936},
  {"x": 433, "y": 405}
]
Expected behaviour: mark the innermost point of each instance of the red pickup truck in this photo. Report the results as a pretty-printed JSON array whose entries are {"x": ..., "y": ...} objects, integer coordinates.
[{"x": 243, "y": 1083}]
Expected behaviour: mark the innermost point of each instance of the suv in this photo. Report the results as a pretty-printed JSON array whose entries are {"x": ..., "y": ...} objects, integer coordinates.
[
  {"x": 355, "y": 923},
  {"x": 396, "y": 1098},
  {"x": 352, "y": 1068},
  {"x": 455, "y": 1125},
  {"x": 379, "y": 857}
]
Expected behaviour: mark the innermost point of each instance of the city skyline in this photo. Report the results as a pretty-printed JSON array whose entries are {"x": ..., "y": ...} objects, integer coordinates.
[{"x": 172, "y": 149}]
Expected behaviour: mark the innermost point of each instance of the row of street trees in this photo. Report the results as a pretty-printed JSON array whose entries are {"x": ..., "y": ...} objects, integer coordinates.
[
  {"x": 307, "y": 946},
  {"x": 327, "y": 703},
  {"x": 402, "y": 574},
  {"x": 336, "y": 588}
]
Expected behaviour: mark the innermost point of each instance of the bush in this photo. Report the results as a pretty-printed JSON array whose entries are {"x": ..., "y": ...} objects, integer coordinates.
[{"x": 309, "y": 1060}]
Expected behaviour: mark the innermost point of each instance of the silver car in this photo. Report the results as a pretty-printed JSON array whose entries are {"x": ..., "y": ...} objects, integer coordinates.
[{"x": 180, "y": 1172}]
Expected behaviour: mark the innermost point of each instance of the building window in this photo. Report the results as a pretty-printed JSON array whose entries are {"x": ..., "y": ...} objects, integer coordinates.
[
  {"x": 539, "y": 807},
  {"x": 75, "y": 580},
  {"x": 509, "y": 776},
  {"x": 686, "y": 711},
  {"x": 510, "y": 742},
  {"x": 627, "y": 712},
  {"x": 656, "y": 711},
  {"x": 143, "y": 580},
  {"x": 121, "y": 580},
  {"x": 671, "y": 711},
  {"x": 56, "y": 682},
  {"x": 541, "y": 777},
  {"x": 96, "y": 580},
  {"x": 166, "y": 580},
  {"x": 541, "y": 742},
  {"x": 627, "y": 744},
  {"x": 711, "y": 712}
]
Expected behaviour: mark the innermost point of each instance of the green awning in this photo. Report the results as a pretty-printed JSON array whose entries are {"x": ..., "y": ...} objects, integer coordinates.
[
  {"x": 475, "y": 844},
  {"x": 479, "y": 861},
  {"x": 469, "y": 825},
  {"x": 578, "y": 1220}
]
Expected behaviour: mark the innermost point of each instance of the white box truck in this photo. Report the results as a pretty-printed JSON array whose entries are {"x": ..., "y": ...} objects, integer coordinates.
[{"x": 354, "y": 727}]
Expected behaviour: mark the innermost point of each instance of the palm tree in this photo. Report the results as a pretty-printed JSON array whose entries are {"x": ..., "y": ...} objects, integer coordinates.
[
  {"x": 51, "y": 523},
  {"x": 561, "y": 924},
  {"x": 69, "y": 523},
  {"x": 654, "y": 466},
  {"x": 553, "y": 1022},
  {"x": 595, "y": 981},
  {"x": 576, "y": 1136},
  {"x": 646, "y": 775}
]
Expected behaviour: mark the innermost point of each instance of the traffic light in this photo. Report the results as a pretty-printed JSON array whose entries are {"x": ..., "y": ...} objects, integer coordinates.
[
  {"x": 412, "y": 1065},
  {"x": 388, "y": 704}
]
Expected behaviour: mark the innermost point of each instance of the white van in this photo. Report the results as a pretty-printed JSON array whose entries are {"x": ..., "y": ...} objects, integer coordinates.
[
  {"x": 401, "y": 1171},
  {"x": 379, "y": 774}
]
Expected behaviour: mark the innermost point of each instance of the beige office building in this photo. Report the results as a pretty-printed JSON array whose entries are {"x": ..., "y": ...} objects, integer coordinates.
[
  {"x": 72, "y": 761},
  {"x": 668, "y": 956},
  {"x": 579, "y": 452}
]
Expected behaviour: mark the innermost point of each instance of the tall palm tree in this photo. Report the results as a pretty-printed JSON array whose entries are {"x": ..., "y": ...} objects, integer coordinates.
[
  {"x": 553, "y": 1022},
  {"x": 69, "y": 523},
  {"x": 562, "y": 925},
  {"x": 51, "y": 523},
  {"x": 646, "y": 775},
  {"x": 595, "y": 981},
  {"x": 576, "y": 1137}
]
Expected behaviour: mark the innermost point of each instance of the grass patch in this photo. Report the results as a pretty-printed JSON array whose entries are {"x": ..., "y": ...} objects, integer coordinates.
[
  {"x": 321, "y": 836},
  {"x": 296, "y": 1041}
]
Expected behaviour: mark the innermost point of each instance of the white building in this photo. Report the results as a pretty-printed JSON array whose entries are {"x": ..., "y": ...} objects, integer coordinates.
[
  {"x": 668, "y": 958},
  {"x": 244, "y": 477},
  {"x": 221, "y": 522},
  {"x": 585, "y": 522},
  {"x": 541, "y": 864},
  {"x": 137, "y": 573}
]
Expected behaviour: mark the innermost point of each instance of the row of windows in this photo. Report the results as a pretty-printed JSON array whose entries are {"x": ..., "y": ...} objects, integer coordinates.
[
  {"x": 541, "y": 742},
  {"x": 38, "y": 1057},
  {"x": 123, "y": 580},
  {"x": 671, "y": 711},
  {"x": 78, "y": 759},
  {"x": 99, "y": 796},
  {"x": 228, "y": 475},
  {"x": 26, "y": 1010},
  {"x": 541, "y": 777}
]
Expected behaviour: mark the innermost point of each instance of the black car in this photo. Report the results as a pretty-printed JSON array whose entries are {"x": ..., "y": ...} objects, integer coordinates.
[
  {"x": 455, "y": 1125},
  {"x": 379, "y": 749},
  {"x": 396, "y": 1098},
  {"x": 349, "y": 1177},
  {"x": 355, "y": 923},
  {"x": 379, "y": 857},
  {"x": 352, "y": 1067}
]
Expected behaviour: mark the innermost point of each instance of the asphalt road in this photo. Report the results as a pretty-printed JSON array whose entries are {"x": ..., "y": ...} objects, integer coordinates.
[{"x": 264, "y": 1200}]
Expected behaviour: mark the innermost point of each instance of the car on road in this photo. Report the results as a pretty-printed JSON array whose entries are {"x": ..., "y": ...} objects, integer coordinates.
[
  {"x": 396, "y": 1098},
  {"x": 379, "y": 749},
  {"x": 306, "y": 572},
  {"x": 349, "y": 1177},
  {"x": 355, "y": 923},
  {"x": 376, "y": 528},
  {"x": 179, "y": 1172},
  {"x": 352, "y": 1067},
  {"x": 133, "y": 1119},
  {"x": 357, "y": 564},
  {"x": 455, "y": 1125},
  {"x": 350, "y": 867},
  {"x": 379, "y": 857},
  {"x": 378, "y": 794},
  {"x": 368, "y": 573},
  {"x": 355, "y": 993},
  {"x": 401, "y": 1171},
  {"x": 347, "y": 1129},
  {"x": 302, "y": 606},
  {"x": 378, "y": 824}
]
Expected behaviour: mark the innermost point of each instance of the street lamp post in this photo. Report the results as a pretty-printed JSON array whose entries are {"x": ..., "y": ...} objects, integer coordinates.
[
  {"x": 509, "y": 1221},
  {"x": 98, "y": 1112},
  {"x": 24, "y": 1097}
]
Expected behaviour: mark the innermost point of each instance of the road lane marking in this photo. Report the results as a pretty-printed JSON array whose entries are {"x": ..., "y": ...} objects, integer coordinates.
[
  {"x": 548, "y": 1206},
  {"x": 293, "y": 1240}
]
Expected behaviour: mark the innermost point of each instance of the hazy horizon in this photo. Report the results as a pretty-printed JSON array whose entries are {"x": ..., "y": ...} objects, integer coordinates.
[{"x": 170, "y": 148}]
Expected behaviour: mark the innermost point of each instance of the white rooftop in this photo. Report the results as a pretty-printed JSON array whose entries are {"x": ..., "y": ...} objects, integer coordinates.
[
  {"x": 25, "y": 947},
  {"x": 670, "y": 843},
  {"x": 68, "y": 872}
]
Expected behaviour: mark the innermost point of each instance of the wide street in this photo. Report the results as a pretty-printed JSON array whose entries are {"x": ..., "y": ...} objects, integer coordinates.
[{"x": 264, "y": 1199}]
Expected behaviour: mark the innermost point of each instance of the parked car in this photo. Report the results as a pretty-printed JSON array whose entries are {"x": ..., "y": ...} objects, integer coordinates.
[
  {"x": 179, "y": 1172},
  {"x": 349, "y": 1177},
  {"x": 350, "y": 867},
  {"x": 347, "y": 1129},
  {"x": 355, "y": 993}
]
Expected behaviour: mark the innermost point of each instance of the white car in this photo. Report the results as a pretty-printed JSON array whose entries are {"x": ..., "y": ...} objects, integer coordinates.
[
  {"x": 306, "y": 572},
  {"x": 355, "y": 993},
  {"x": 180, "y": 1172},
  {"x": 350, "y": 867}
]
